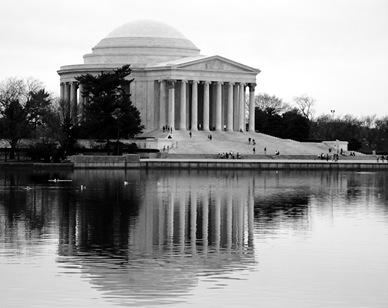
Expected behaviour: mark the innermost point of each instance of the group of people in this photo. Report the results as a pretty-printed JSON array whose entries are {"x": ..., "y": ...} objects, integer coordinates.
[
  {"x": 327, "y": 156},
  {"x": 167, "y": 129},
  {"x": 230, "y": 155},
  {"x": 382, "y": 158},
  {"x": 253, "y": 141}
]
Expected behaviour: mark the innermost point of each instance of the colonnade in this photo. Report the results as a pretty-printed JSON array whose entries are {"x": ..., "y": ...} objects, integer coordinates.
[
  {"x": 71, "y": 95},
  {"x": 205, "y": 105},
  {"x": 184, "y": 104}
]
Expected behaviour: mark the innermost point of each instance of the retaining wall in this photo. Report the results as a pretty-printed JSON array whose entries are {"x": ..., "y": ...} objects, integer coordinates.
[{"x": 261, "y": 165}]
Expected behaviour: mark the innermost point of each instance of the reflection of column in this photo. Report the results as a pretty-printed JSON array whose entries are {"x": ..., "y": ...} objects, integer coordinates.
[
  {"x": 194, "y": 106},
  {"x": 182, "y": 222},
  {"x": 219, "y": 106},
  {"x": 161, "y": 225},
  {"x": 252, "y": 107},
  {"x": 240, "y": 220},
  {"x": 242, "y": 108},
  {"x": 171, "y": 103},
  {"x": 205, "y": 223},
  {"x": 230, "y": 107},
  {"x": 217, "y": 221},
  {"x": 206, "y": 105},
  {"x": 229, "y": 219},
  {"x": 170, "y": 222},
  {"x": 162, "y": 104},
  {"x": 193, "y": 222},
  {"x": 251, "y": 202},
  {"x": 182, "y": 123}
]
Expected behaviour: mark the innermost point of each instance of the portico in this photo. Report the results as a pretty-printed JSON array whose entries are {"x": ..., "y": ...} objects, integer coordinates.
[{"x": 210, "y": 105}]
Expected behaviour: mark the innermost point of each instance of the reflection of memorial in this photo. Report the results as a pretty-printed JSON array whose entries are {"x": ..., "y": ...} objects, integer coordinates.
[
  {"x": 153, "y": 240},
  {"x": 181, "y": 227},
  {"x": 196, "y": 214}
]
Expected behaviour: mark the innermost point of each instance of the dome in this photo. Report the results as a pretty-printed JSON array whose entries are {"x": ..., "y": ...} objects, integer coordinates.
[{"x": 142, "y": 43}]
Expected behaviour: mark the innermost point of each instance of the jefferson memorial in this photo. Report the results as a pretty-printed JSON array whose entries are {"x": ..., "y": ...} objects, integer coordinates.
[{"x": 174, "y": 85}]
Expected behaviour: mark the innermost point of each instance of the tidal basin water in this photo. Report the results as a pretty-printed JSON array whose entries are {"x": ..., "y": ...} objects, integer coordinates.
[{"x": 179, "y": 238}]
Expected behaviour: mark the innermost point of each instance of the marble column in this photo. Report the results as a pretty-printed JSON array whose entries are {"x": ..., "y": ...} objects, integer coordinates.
[
  {"x": 219, "y": 106},
  {"x": 194, "y": 106},
  {"x": 182, "y": 119},
  {"x": 206, "y": 106},
  {"x": 241, "y": 120},
  {"x": 171, "y": 104},
  {"x": 252, "y": 107},
  {"x": 66, "y": 98},
  {"x": 62, "y": 91},
  {"x": 81, "y": 100},
  {"x": 162, "y": 104},
  {"x": 229, "y": 125},
  {"x": 73, "y": 100},
  {"x": 236, "y": 98}
]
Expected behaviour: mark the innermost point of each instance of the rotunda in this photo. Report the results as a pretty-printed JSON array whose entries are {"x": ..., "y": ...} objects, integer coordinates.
[
  {"x": 142, "y": 43},
  {"x": 174, "y": 85}
]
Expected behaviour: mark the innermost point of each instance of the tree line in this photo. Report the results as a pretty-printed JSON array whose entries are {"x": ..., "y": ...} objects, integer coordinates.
[
  {"x": 297, "y": 121},
  {"x": 29, "y": 114}
]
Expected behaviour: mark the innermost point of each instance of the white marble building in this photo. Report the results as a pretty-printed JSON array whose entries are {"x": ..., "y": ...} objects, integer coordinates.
[{"x": 174, "y": 85}]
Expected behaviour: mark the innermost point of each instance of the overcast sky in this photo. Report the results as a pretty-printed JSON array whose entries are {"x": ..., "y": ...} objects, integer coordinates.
[{"x": 335, "y": 51}]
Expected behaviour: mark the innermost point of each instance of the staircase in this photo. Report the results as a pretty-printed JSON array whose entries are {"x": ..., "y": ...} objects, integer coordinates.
[{"x": 200, "y": 146}]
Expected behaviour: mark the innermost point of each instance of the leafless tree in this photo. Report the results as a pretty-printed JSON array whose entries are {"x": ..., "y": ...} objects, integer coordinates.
[
  {"x": 271, "y": 104},
  {"x": 305, "y": 105}
]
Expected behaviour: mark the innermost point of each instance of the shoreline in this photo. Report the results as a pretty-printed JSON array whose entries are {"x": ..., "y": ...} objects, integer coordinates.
[{"x": 206, "y": 163}]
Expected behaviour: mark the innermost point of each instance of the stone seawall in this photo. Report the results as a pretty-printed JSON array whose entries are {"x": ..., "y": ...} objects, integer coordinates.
[
  {"x": 261, "y": 165},
  {"x": 105, "y": 162},
  {"x": 133, "y": 161}
]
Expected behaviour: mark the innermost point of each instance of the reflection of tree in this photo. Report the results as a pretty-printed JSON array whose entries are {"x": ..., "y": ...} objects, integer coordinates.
[
  {"x": 155, "y": 237},
  {"x": 292, "y": 204}
]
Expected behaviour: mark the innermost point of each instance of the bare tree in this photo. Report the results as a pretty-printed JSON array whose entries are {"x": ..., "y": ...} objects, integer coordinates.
[
  {"x": 271, "y": 104},
  {"x": 22, "y": 102},
  {"x": 369, "y": 131},
  {"x": 305, "y": 105}
]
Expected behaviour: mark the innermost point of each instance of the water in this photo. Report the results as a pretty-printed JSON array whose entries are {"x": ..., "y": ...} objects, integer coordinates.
[{"x": 193, "y": 239}]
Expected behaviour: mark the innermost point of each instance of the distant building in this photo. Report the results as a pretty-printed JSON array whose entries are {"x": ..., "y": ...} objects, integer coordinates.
[{"x": 174, "y": 84}]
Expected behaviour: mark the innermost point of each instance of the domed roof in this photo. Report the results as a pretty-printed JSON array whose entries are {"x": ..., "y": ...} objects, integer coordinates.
[
  {"x": 142, "y": 43},
  {"x": 146, "y": 28}
]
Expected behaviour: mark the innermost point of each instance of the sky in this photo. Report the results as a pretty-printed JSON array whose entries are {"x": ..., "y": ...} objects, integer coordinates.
[{"x": 334, "y": 51}]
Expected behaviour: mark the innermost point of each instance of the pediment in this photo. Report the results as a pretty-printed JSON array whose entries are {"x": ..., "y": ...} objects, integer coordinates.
[{"x": 214, "y": 64}]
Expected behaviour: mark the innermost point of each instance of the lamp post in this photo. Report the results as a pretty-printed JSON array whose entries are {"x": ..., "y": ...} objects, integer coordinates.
[{"x": 335, "y": 145}]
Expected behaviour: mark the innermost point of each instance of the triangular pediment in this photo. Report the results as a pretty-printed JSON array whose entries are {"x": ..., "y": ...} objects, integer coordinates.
[{"x": 211, "y": 64}]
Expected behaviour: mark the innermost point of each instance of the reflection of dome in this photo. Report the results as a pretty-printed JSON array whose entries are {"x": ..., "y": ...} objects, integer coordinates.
[{"x": 142, "y": 42}]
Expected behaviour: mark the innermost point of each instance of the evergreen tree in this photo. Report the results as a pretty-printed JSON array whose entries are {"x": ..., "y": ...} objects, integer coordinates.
[{"x": 109, "y": 113}]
